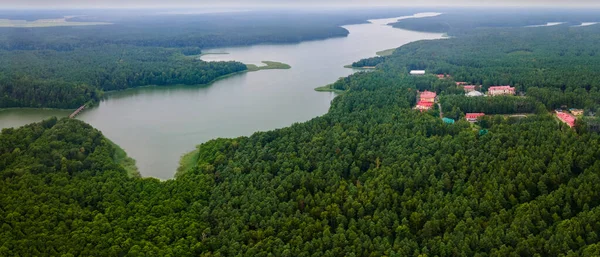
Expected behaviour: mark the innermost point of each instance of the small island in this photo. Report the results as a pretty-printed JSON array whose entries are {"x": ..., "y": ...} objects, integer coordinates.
[{"x": 269, "y": 65}]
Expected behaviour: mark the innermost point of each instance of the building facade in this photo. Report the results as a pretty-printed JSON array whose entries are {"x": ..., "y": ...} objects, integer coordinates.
[{"x": 501, "y": 90}]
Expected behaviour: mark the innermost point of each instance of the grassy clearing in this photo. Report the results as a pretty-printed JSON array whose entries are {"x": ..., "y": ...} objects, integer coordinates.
[
  {"x": 127, "y": 162},
  {"x": 269, "y": 65},
  {"x": 386, "y": 52},
  {"x": 329, "y": 88},
  {"x": 188, "y": 161},
  {"x": 5, "y": 23}
]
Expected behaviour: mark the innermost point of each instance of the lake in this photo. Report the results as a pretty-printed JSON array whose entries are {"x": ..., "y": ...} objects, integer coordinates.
[{"x": 157, "y": 125}]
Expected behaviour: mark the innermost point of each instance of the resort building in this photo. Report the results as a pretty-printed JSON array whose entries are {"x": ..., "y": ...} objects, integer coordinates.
[
  {"x": 427, "y": 96},
  {"x": 501, "y": 90},
  {"x": 566, "y": 118},
  {"x": 474, "y": 94},
  {"x": 421, "y": 105},
  {"x": 443, "y": 76},
  {"x": 472, "y": 117},
  {"x": 417, "y": 72},
  {"x": 461, "y": 83}
]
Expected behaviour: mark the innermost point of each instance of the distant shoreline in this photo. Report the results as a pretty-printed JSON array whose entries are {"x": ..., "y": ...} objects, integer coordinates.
[{"x": 45, "y": 23}]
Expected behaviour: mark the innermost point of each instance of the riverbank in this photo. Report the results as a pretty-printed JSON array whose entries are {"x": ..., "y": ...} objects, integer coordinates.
[
  {"x": 120, "y": 157},
  {"x": 187, "y": 161}
]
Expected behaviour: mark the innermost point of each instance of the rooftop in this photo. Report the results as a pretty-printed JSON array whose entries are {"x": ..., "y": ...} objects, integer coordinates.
[
  {"x": 428, "y": 94},
  {"x": 474, "y": 115},
  {"x": 566, "y": 118}
]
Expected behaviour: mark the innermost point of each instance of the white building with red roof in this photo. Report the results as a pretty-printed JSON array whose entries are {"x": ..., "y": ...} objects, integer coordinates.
[
  {"x": 501, "y": 90},
  {"x": 427, "y": 96},
  {"x": 422, "y": 105}
]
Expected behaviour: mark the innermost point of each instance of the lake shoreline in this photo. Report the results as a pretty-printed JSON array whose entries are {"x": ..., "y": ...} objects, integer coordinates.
[
  {"x": 329, "y": 88},
  {"x": 349, "y": 66},
  {"x": 158, "y": 126},
  {"x": 271, "y": 65}
]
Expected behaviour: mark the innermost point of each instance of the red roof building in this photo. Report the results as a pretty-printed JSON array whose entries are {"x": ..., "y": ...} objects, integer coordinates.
[
  {"x": 501, "y": 90},
  {"x": 422, "y": 105},
  {"x": 461, "y": 83},
  {"x": 566, "y": 118},
  {"x": 442, "y": 76},
  {"x": 469, "y": 88},
  {"x": 427, "y": 96},
  {"x": 472, "y": 117}
]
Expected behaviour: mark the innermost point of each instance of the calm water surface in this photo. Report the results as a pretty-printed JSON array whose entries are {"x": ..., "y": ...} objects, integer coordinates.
[{"x": 157, "y": 125}]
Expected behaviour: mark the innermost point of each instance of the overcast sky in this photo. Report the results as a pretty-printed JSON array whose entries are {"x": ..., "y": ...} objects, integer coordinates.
[{"x": 53, "y": 4}]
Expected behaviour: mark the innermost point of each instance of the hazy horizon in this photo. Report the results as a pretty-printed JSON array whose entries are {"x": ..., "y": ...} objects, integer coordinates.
[{"x": 118, "y": 4}]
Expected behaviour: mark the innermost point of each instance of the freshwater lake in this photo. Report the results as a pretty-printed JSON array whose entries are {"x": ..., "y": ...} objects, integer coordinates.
[{"x": 157, "y": 125}]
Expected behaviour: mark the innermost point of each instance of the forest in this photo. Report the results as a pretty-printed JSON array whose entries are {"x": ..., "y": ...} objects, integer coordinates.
[{"x": 372, "y": 177}]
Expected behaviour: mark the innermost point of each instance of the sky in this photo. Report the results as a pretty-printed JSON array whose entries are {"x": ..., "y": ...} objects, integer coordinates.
[{"x": 57, "y": 4}]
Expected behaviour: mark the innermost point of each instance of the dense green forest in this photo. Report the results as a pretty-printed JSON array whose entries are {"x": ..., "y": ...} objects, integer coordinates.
[
  {"x": 50, "y": 78},
  {"x": 372, "y": 177}
]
